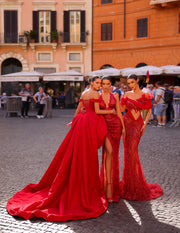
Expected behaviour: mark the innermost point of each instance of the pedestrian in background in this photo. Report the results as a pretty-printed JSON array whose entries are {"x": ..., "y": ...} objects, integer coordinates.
[
  {"x": 40, "y": 99},
  {"x": 117, "y": 90},
  {"x": 169, "y": 110},
  {"x": 26, "y": 94},
  {"x": 159, "y": 105}
]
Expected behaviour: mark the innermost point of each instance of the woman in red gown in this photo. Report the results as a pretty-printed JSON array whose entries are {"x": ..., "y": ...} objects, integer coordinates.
[
  {"x": 115, "y": 126},
  {"x": 133, "y": 185},
  {"x": 70, "y": 188}
]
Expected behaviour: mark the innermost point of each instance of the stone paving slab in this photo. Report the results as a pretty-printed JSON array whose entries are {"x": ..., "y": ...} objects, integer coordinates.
[{"x": 28, "y": 145}]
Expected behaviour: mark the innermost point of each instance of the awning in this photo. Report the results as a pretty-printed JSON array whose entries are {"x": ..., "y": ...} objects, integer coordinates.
[
  {"x": 105, "y": 72},
  {"x": 31, "y": 76},
  {"x": 70, "y": 75}
]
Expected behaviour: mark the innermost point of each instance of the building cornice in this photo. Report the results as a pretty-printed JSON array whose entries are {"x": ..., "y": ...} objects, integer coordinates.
[
  {"x": 11, "y": 3},
  {"x": 74, "y": 5}
]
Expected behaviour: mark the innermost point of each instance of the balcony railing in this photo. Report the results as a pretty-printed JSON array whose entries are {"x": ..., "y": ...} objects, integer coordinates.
[
  {"x": 74, "y": 38},
  {"x": 12, "y": 38}
]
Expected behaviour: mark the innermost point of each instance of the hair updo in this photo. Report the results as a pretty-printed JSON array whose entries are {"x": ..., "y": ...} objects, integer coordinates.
[
  {"x": 94, "y": 78},
  {"x": 106, "y": 78},
  {"x": 141, "y": 80}
]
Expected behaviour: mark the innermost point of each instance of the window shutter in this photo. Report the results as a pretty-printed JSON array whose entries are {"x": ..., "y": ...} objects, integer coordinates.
[
  {"x": 142, "y": 27},
  {"x": 83, "y": 23},
  {"x": 109, "y": 31},
  {"x": 103, "y": 31},
  {"x": 36, "y": 24},
  {"x": 10, "y": 26},
  {"x": 179, "y": 23},
  {"x": 53, "y": 21},
  {"x": 66, "y": 27}
]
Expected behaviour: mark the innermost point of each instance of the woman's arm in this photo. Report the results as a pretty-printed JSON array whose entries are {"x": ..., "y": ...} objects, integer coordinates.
[
  {"x": 120, "y": 114},
  {"x": 146, "y": 121},
  {"x": 35, "y": 98},
  {"x": 103, "y": 112}
]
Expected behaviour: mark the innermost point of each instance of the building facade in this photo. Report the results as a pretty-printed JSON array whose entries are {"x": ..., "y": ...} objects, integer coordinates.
[
  {"x": 46, "y": 36},
  {"x": 133, "y": 33}
]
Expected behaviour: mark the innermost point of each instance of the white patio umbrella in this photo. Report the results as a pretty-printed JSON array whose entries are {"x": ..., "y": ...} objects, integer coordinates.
[
  {"x": 70, "y": 75},
  {"x": 31, "y": 76},
  {"x": 126, "y": 71},
  {"x": 171, "y": 69},
  {"x": 103, "y": 72},
  {"x": 153, "y": 70}
]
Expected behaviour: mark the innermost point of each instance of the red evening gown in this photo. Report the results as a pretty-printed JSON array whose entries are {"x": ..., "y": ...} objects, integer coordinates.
[
  {"x": 70, "y": 188},
  {"x": 133, "y": 185},
  {"x": 114, "y": 127}
]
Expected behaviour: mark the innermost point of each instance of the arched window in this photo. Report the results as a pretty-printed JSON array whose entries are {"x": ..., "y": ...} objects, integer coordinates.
[
  {"x": 141, "y": 65},
  {"x": 106, "y": 66},
  {"x": 11, "y": 65}
]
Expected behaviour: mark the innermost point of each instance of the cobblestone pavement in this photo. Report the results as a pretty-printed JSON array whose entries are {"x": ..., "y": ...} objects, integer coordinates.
[{"x": 28, "y": 145}]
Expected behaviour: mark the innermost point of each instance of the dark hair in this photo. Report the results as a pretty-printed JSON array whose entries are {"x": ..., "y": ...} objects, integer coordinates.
[
  {"x": 94, "y": 78},
  {"x": 106, "y": 78},
  {"x": 141, "y": 80},
  {"x": 159, "y": 83}
]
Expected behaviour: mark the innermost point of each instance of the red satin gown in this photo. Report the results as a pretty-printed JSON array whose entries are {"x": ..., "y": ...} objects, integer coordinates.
[
  {"x": 133, "y": 185},
  {"x": 114, "y": 127},
  {"x": 70, "y": 188}
]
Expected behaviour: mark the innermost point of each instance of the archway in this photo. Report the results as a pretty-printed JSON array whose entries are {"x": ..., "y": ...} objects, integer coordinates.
[
  {"x": 141, "y": 65},
  {"x": 106, "y": 66},
  {"x": 11, "y": 65}
]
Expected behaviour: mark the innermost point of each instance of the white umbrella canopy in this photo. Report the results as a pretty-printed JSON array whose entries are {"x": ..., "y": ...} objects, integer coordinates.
[
  {"x": 31, "y": 76},
  {"x": 126, "y": 71},
  {"x": 171, "y": 69},
  {"x": 153, "y": 70},
  {"x": 104, "y": 72},
  {"x": 70, "y": 75}
]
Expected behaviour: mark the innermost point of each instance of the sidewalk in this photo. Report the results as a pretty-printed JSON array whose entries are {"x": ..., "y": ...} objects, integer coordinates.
[{"x": 28, "y": 146}]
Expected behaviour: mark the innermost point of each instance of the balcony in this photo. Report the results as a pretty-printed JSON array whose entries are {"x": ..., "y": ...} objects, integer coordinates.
[
  {"x": 14, "y": 39},
  {"x": 164, "y": 3},
  {"x": 74, "y": 40}
]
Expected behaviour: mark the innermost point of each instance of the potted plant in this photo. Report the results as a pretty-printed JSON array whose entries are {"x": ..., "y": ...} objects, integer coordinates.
[
  {"x": 54, "y": 36},
  {"x": 27, "y": 35},
  {"x": 32, "y": 35}
]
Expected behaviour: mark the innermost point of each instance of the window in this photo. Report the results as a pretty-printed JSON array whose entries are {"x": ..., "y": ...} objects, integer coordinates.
[
  {"x": 10, "y": 26},
  {"x": 106, "y": 31},
  {"x": 44, "y": 26},
  {"x": 74, "y": 26},
  {"x": 106, "y": 1},
  {"x": 142, "y": 27},
  {"x": 44, "y": 57},
  {"x": 74, "y": 56},
  {"x": 43, "y": 23},
  {"x": 78, "y": 69},
  {"x": 45, "y": 70}
]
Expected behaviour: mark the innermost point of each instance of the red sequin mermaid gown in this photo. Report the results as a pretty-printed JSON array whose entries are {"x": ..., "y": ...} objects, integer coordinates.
[
  {"x": 133, "y": 185},
  {"x": 70, "y": 188},
  {"x": 114, "y": 127}
]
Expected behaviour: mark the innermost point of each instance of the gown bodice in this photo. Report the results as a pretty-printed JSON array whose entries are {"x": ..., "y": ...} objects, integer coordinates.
[
  {"x": 134, "y": 107},
  {"x": 111, "y": 105},
  {"x": 89, "y": 104}
]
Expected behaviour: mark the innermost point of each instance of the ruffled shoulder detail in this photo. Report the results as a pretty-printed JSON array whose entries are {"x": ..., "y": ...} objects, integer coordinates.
[
  {"x": 123, "y": 100},
  {"x": 145, "y": 101},
  {"x": 95, "y": 100}
]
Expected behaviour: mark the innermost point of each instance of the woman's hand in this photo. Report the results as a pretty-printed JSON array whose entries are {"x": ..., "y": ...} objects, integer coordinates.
[
  {"x": 113, "y": 111},
  {"x": 143, "y": 129},
  {"x": 70, "y": 123},
  {"x": 123, "y": 132}
]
